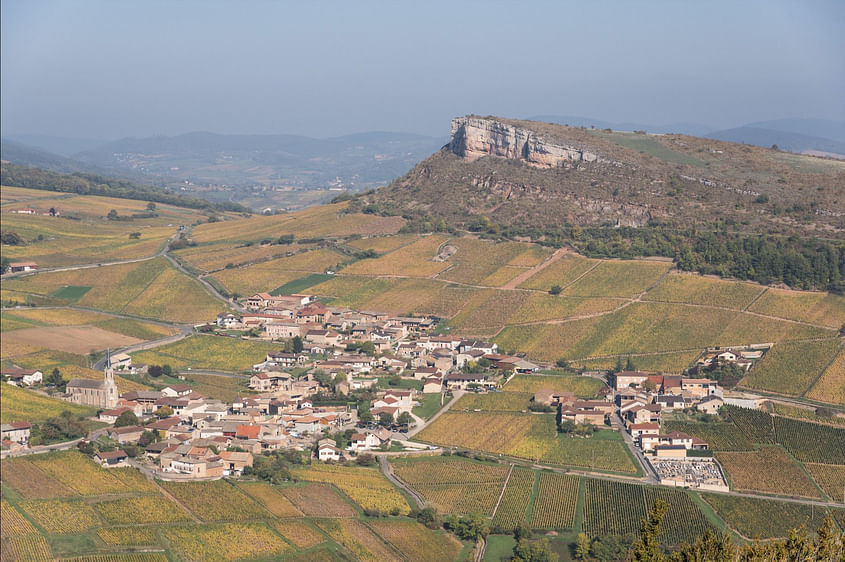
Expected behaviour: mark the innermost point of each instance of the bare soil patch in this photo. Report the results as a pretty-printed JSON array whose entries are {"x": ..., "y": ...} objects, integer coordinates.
[{"x": 73, "y": 339}]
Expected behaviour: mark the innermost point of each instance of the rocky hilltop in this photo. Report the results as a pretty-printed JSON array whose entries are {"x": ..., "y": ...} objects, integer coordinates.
[
  {"x": 474, "y": 137},
  {"x": 529, "y": 175}
]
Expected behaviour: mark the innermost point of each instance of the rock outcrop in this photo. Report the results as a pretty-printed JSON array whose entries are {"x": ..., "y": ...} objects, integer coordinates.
[{"x": 474, "y": 137}]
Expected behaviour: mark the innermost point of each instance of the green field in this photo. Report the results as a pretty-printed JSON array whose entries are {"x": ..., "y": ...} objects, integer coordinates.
[
  {"x": 71, "y": 293},
  {"x": 299, "y": 285},
  {"x": 582, "y": 387}
]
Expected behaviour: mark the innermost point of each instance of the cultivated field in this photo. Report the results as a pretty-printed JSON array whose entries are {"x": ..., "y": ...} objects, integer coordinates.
[
  {"x": 816, "y": 308},
  {"x": 213, "y": 542},
  {"x": 556, "y": 502},
  {"x": 811, "y": 442},
  {"x": 790, "y": 368},
  {"x": 494, "y": 401},
  {"x": 24, "y": 405},
  {"x": 830, "y": 478},
  {"x": 358, "y": 539},
  {"x": 365, "y": 486},
  {"x": 73, "y": 339},
  {"x": 271, "y": 498},
  {"x": 513, "y": 509},
  {"x": 266, "y": 276},
  {"x": 616, "y": 508},
  {"x": 618, "y": 279},
  {"x": 752, "y": 517},
  {"x": 769, "y": 470},
  {"x": 527, "y": 436},
  {"x": 696, "y": 289},
  {"x": 150, "y": 288},
  {"x": 831, "y": 385},
  {"x": 477, "y": 262},
  {"x": 413, "y": 260},
  {"x": 318, "y": 500},
  {"x": 583, "y": 387},
  {"x": 562, "y": 272},
  {"x": 217, "y": 500},
  {"x": 416, "y": 542},
  {"x": 208, "y": 352}
]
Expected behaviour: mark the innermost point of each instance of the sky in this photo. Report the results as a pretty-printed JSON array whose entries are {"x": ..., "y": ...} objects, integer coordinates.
[{"x": 113, "y": 69}]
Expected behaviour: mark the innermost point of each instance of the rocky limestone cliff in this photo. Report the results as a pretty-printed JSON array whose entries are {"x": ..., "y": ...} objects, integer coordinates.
[{"x": 474, "y": 137}]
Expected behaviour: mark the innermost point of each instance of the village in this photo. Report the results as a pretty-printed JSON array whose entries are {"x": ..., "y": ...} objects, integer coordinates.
[{"x": 330, "y": 359}]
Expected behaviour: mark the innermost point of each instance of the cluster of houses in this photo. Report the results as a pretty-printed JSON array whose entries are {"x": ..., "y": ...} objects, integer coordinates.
[
  {"x": 642, "y": 399},
  {"x": 399, "y": 345}
]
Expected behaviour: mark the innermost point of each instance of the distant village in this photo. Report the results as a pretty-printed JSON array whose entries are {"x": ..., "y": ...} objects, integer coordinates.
[{"x": 329, "y": 358}]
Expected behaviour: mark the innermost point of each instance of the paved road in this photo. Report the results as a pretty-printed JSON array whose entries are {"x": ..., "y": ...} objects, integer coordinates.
[
  {"x": 184, "y": 332},
  {"x": 650, "y": 474},
  {"x": 387, "y": 470}
]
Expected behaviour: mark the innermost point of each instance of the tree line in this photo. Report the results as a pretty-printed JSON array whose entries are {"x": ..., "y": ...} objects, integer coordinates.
[{"x": 94, "y": 184}]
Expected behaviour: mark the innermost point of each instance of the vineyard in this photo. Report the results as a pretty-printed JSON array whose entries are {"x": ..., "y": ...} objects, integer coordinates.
[
  {"x": 830, "y": 478},
  {"x": 214, "y": 542},
  {"x": 756, "y": 424},
  {"x": 413, "y": 260},
  {"x": 616, "y": 508},
  {"x": 271, "y": 498},
  {"x": 416, "y": 542},
  {"x": 300, "y": 533},
  {"x": 556, "y": 501},
  {"x": 217, "y": 500},
  {"x": 769, "y": 470},
  {"x": 720, "y": 436},
  {"x": 208, "y": 352},
  {"x": 816, "y": 308},
  {"x": 513, "y": 508},
  {"x": 143, "y": 509},
  {"x": 811, "y": 442},
  {"x": 582, "y": 387},
  {"x": 20, "y": 404},
  {"x": 618, "y": 279},
  {"x": 25, "y": 547},
  {"x": 831, "y": 385},
  {"x": 562, "y": 272},
  {"x": 694, "y": 289},
  {"x": 806, "y": 414},
  {"x": 77, "y": 472},
  {"x": 61, "y": 516},
  {"x": 454, "y": 485},
  {"x": 752, "y": 517},
  {"x": 365, "y": 486},
  {"x": 476, "y": 260},
  {"x": 267, "y": 275},
  {"x": 495, "y": 401},
  {"x": 527, "y": 436},
  {"x": 358, "y": 539},
  {"x": 318, "y": 500},
  {"x": 790, "y": 368},
  {"x": 12, "y": 522}
]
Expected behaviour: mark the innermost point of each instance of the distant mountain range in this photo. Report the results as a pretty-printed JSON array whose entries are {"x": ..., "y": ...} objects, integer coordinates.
[{"x": 290, "y": 171}]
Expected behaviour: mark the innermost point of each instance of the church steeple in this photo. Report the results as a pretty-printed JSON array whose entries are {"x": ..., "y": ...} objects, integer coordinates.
[{"x": 109, "y": 386}]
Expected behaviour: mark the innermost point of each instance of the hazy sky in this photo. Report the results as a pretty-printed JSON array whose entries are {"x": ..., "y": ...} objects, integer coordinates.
[{"x": 117, "y": 68}]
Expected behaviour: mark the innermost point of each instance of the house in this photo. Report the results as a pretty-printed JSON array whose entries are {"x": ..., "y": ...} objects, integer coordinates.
[
  {"x": 422, "y": 373},
  {"x": 477, "y": 345},
  {"x": 22, "y": 377},
  {"x": 91, "y": 392},
  {"x": 127, "y": 434},
  {"x": 120, "y": 360},
  {"x": 432, "y": 385},
  {"x": 364, "y": 442},
  {"x": 402, "y": 396},
  {"x": 315, "y": 313},
  {"x": 328, "y": 451},
  {"x": 392, "y": 410},
  {"x": 16, "y": 432},
  {"x": 19, "y": 266},
  {"x": 175, "y": 390},
  {"x": 235, "y": 462},
  {"x": 323, "y": 337},
  {"x": 146, "y": 398},
  {"x": 669, "y": 401},
  {"x": 258, "y": 301},
  {"x": 710, "y": 404},
  {"x": 228, "y": 321},
  {"x": 196, "y": 467},
  {"x": 551, "y": 397},
  {"x": 110, "y": 416},
  {"x": 625, "y": 379},
  {"x": 282, "y": 330},
  {"x": 307, "y": 424},
  {"x": 699, "y": 387},
  {"x": 510, "y": 363},
  {"x": 111, "y": 459},
  {"x": 283, "y": 359},
  {"x": 462, "y": 381},
  {"x": 579, "y": 415},
  {"x": 638, "y": 429}
]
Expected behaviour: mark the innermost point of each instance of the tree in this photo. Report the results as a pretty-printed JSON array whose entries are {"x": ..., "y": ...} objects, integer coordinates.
[
  {"x": 134, "y": 235},
  {"x": 618, "y": 367},
  {"x": 323, "y": 377},
  {"x": 147, "y": 437},
  {"x": 629, "y": 365},
  {"x": 297, "y": 345},
  {"x": 428, "y": 517},
  {"x": 555, "y": 290},
  {"x": 562, "y": 363},
  {"x": 151, "y": 206},
  {"x": 126, "y": 418},
  {"x": 405, "y": 419},
  {"x": 537, "y": 551},
  {"x": 647, "y": 547},
  {"x": 368, "y": 348},
  {"x": 385, "y": 419},
  {"x": 365, "y": 416},
  {"x": 154, "y": 371},
  {"x": 582, "y": 546},
  {"x": 164, "y": 412},
  {"x": 55, "y": 378},
  {"x": 365, "y": 459},
  {"x": 112, "y": 216},
  {"x": 523, "y": 531},
  {"x": 166, "y": 370},
  {"x": 649, "y": 385}
]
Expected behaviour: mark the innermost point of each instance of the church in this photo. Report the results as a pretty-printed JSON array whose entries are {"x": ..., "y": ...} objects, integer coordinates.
[{"x": 89, "y": 392}]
